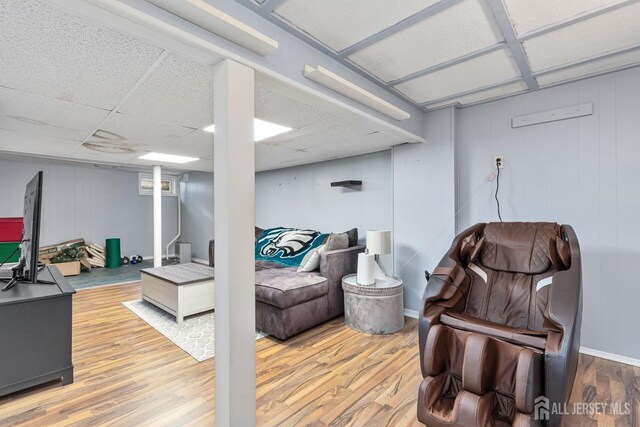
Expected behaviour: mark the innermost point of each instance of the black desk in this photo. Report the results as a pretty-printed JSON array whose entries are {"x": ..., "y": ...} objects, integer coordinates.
[{"x": 35, "y": 333}]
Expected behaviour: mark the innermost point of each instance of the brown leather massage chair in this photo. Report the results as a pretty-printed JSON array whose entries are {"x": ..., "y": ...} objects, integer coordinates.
[{"x": 500, "y": 327}]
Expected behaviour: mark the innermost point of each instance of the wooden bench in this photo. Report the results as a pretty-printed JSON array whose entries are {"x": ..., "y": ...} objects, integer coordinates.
[{"x": 181, "y": 290}]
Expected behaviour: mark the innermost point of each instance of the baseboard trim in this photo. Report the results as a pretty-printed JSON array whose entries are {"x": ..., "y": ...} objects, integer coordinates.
[
  {"x": 610, "y": 356},
  {"x": 200, "y": 261},
  {"x": 411, "y": 313}
]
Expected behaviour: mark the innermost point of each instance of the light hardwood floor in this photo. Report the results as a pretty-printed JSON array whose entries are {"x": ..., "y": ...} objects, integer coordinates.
[{"x": 127, "y": 374}]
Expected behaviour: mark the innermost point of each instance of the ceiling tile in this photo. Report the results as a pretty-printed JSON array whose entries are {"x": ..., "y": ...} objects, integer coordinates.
[
  {"x": 196, "y": 144},
  {"x": 20, "y": 142},
  {"x": 464, "y": 28},
  {"x": 355, "y": 146},
  {"x": 485, "y": 95},
  {"x": 528, "y": 15},
  {"x": 340, "y": 24},
  {"x": 41, "y": 115},
  {"x": 272, "y": 157},
  {"x": 48, "y": 51},
  {"x": 125, "y": 133},
  {"x": 179, "y": 91},
  {"x": 97, "y": 154},
  {"x": 494, "y": 67},
  {"x": 595, "y": 36},
  {"x": 282, "y": 110},
  {"x": 594, "y": 67},
  {"x": 324, "y": 132}
]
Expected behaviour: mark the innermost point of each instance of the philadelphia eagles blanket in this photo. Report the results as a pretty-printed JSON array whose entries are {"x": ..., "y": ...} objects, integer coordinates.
[{"x": 287, "y": 245}]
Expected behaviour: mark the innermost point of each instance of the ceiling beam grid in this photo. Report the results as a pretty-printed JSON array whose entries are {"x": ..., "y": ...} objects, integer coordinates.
[
  {"x": 399, "y": 26},
  {"x": 517, "y": 51}
]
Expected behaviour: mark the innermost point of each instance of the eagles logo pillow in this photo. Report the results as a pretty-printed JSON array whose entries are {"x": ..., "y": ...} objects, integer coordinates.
[{"x": 287, "y": 246}]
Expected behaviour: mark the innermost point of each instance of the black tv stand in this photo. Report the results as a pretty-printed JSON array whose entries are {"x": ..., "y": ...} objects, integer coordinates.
[
  {"x": 36, "y": 333},
  {"x": 10, "y": 284},
  {"x": 15, "y": 280}
]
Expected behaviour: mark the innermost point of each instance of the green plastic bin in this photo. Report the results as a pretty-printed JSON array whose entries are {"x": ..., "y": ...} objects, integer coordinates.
[
  {"x": 113, "y": 253},
  {"x": 6, "y": 249}
]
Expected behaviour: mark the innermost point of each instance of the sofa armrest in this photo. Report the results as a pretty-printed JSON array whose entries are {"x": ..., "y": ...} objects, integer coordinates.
[{"x": 334, "y": 265}]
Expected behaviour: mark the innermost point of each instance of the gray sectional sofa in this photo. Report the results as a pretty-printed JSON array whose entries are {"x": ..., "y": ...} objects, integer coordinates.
[{"x": 288, "y": 302}]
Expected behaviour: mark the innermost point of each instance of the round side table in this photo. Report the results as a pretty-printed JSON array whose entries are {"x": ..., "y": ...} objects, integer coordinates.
[{"x": 374, "y": 309}]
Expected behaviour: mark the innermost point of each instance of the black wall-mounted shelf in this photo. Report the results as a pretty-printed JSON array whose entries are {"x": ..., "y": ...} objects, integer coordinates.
[{"x": 350, "y": 183}]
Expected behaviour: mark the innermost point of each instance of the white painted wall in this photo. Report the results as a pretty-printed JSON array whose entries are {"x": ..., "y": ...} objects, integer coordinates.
[
  {"x": 584, "y": 172},
  {"x": 86, "y": 201},
  {"x": 424, "y": 203},
  {"x": 302, "y": 197},
  {"x": 197, "y": 213}
]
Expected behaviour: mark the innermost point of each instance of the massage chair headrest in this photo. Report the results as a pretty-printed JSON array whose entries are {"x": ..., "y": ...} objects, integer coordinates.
[{"x": 518, "y": 247}]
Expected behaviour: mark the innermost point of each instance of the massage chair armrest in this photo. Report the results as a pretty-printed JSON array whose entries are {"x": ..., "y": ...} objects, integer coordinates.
[
  {"x": 565, "y": 295},
  {"x": 334, "y": 265},
  {"x": 564, "y": 311}
]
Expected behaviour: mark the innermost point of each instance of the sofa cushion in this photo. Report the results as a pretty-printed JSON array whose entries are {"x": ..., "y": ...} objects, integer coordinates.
[
  {"x": 285, "y": 287},
  {"x": 267, "y": 265}
]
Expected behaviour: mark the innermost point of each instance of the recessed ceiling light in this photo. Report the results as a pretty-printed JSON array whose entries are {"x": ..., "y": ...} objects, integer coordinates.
[
  {"x": 169, "y": 158},
  {"x": 261, "y": 129}
]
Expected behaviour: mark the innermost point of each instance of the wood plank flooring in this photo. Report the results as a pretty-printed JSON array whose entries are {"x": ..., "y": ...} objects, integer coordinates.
[{"x": 128, "y": 374}]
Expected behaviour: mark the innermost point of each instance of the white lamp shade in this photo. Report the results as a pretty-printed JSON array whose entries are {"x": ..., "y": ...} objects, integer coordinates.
[{"x": 379, "y": 242}]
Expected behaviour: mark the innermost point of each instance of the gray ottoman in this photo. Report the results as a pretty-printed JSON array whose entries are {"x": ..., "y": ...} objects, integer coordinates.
[{"x": 374, "y": 309}]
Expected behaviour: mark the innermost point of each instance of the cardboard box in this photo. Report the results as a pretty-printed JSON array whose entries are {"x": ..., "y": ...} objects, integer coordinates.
[
  {"x": 45, "y": 253},
  {"x": 68, "y": 268}
]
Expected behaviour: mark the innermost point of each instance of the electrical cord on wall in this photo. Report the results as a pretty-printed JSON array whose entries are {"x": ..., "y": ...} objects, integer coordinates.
[{"x": 497, "y": 189}]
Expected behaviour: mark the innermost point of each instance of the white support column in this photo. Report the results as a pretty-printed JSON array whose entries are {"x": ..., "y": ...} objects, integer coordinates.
[
  {"x": 234, "y": 219},
  {"x": 157, "y": 216}
]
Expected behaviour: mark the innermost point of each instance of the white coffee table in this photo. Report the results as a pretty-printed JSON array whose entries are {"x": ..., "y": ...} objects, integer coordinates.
[
  {"x": 181, "y": 290},
  {"x": 374, "y": 309}
]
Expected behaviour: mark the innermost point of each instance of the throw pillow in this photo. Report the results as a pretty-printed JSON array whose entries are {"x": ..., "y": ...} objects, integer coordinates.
[
  {"x": 353, "y": 236},
  {"x": 336, "y": 241},
  {"x": 311, "y": 261}
]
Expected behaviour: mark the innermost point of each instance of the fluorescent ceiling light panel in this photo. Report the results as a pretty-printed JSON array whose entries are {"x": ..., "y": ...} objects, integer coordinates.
[
  {"x": 590, "y": 68},
  {"x": 590, "y": 38},
  {"x": 467, "y": 27},
  {"x": 528, "y": 15},
  {"x": 485, "y": 70},
  {"x": 261, "y": 129},
  {"x": 213, "y": 19},
  {"x": 345, "y": 87},
  {"x": 340, "y": 24},
  {"x": 167, "y": 158}
]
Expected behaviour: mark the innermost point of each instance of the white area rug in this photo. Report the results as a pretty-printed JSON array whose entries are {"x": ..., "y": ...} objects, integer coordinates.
[{"x": 195, "y": 335}]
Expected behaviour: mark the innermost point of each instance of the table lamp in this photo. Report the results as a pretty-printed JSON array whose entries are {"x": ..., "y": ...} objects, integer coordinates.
[{"x": 369, "y": 269}]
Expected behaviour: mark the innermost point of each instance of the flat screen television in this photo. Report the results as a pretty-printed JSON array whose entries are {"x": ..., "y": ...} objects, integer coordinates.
[{"x": 27, "y": 268}]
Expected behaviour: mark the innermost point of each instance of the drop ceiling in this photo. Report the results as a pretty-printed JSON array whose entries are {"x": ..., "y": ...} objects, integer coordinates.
[
  {"x": 74, "y": 89},
  {"x": 436, "y": 53}
]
